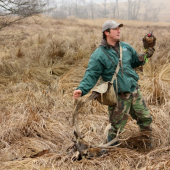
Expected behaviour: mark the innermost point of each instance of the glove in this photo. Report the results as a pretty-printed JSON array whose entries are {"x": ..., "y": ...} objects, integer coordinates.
[{"x": 149, "y": 52}]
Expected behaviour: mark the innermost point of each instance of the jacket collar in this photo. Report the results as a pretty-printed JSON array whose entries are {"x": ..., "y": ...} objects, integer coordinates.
[
  {"x": 115, "y": 48},
  {"x": 104, "y": 43}
]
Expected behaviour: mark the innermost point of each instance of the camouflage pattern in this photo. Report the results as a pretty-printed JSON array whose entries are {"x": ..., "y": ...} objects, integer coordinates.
[{"x": 129, "y": 103}]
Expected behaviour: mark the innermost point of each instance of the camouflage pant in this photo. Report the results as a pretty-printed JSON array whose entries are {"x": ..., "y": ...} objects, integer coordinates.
[{"x": 133, "y": 104}]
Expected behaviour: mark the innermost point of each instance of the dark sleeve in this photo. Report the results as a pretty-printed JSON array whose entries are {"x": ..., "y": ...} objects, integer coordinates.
[
  {"x": 137, "y": 59},
  {"x": 91, "y": 76}
]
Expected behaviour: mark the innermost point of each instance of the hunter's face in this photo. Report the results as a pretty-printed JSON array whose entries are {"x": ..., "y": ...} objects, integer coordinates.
[{"x": 114, "y": 34}]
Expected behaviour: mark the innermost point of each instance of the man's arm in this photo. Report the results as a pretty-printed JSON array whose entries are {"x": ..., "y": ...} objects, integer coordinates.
[{"x": 91, "y": 76}]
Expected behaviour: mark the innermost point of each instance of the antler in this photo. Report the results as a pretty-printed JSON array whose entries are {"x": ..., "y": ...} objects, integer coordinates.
[
  {"x": 107, "y": 145},
  {"x": 78, "y": 106},
  {"x": 78, "y": 103}
]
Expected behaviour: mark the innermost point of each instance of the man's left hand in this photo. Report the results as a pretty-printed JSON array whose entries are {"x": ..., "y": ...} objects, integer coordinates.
[{"x": 150, "y": 52}]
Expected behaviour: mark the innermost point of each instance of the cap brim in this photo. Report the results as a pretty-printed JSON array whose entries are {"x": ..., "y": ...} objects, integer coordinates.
[
  {"x": 117, "y": 25},
  {"x": 120, "y": 25}
]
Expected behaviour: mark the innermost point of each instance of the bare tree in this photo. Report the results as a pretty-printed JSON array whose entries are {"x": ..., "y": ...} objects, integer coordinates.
[
  {"x": 83, "y": 9},
  {"x": 115, "y": 8},
  {"x": 92, "y": 8},
  {"x": 129, "y": 10},
  {"x": 75, "y": 5},
  {"x": 69, "y": 8},
  {"x": 133, "y": 9},
  {"x": 65, "y": 9},
  {"x": 105, "y": 8},
  {"x": 15, "y": 10},
  {"x": 152, "y": 11}
]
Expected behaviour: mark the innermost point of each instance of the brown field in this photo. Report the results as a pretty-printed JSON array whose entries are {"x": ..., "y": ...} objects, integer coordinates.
[{"x": 42, "y": 61}]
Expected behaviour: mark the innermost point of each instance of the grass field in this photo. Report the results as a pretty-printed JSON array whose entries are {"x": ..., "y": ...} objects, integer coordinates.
[{"x": 42, "y": 61}]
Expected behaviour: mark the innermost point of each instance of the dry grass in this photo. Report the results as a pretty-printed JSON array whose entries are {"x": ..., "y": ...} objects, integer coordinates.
[{"x": 41, "y": 63}]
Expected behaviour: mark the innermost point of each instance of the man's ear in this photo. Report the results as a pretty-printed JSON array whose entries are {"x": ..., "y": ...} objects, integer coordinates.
[{"x": 106, "y": 33}]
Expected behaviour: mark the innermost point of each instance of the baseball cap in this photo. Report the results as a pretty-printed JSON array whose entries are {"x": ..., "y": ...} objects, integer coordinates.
[{"x": 110, "y": 24}]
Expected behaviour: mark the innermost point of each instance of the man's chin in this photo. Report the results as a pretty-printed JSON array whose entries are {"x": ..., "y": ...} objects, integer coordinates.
[{"x": 118, "y": 39}]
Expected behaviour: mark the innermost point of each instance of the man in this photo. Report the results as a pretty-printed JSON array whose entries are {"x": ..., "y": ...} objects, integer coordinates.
[{"x": 129, "y": 95}]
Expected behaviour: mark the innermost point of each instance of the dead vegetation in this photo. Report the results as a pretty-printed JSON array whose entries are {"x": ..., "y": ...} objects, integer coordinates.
[{"x": 41, "y": 63}]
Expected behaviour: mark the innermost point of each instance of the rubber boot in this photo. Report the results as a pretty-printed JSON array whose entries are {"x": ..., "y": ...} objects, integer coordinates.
[
  {"x": 148, "y": 139},
  {"x": 149, "y": 142}
]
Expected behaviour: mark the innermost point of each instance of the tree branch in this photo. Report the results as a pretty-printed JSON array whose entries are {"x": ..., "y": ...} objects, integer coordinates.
[{"x": 12, "y": 11}]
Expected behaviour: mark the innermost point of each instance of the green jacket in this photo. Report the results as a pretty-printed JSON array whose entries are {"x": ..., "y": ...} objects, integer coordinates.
[{"x": 100, "y": 65}]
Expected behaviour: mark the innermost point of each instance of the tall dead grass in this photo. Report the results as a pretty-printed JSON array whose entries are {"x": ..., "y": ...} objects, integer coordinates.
[{"x": 41, "y": 65}]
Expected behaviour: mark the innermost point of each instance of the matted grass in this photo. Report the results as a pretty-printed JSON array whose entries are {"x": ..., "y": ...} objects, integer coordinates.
[{"x": 42, "y": 62}]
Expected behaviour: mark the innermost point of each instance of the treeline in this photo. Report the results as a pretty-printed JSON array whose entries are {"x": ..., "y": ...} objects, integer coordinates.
[
  {"x": 90, "y": 9},
  {"x": 15, "y": 10}
]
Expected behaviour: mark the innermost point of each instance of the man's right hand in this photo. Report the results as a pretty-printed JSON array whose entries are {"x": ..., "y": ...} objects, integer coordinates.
[{"x": 77, "y": 94}]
